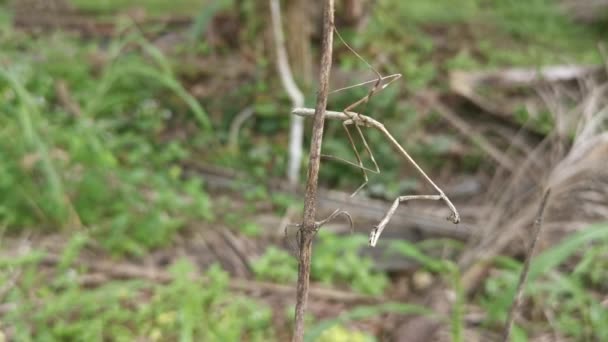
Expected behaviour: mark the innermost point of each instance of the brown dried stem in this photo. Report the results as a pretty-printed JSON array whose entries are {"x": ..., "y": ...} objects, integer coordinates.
[
  {"x": 309, "y": 228},
  {"x": 538, "y": 223}
]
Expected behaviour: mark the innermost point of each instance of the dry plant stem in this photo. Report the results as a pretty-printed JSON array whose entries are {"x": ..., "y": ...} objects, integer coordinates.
[
  {"x": 366, "y": 121},
  {"x": 235, "y": 127},
  {"x": 538, "y": 223},
  {"x": 308, "y": 228},
  {"x": 296, "y": 129}
]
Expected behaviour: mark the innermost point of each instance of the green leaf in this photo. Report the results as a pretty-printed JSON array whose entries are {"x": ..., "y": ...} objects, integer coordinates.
[{"x": 553, "y": 257}]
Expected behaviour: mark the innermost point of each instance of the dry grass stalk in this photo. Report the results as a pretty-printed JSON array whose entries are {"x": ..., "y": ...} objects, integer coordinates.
[
  {"x": 571, "y": 168},
  {"x": 538, "y": 223}
]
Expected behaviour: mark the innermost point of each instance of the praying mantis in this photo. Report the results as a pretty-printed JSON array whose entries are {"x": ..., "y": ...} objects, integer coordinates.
[{"x": 351, "y": 118}]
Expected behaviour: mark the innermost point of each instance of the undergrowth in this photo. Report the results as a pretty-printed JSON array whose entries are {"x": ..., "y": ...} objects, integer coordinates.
[
  {"x": 110, "y": 164},
  {"x": 104, "y": 166},
  {"x": 184, "y": 309},
  {"x": 337, "y": 262},
  {"x": 560, "y": 288}
]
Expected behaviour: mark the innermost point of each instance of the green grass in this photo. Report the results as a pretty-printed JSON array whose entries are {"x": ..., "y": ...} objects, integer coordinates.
[
  {"x": 472, "y": 34},
  {"x": 336, "y": 262},
  {"x": 570, "y": 297},
  {"x": 183, "y": 309},
  {"x": 331, "y": 330},
  {"x": 104, "y": 169}
]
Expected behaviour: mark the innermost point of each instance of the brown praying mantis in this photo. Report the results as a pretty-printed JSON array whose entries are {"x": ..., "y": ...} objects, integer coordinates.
[{"x": 351, "y": 118}]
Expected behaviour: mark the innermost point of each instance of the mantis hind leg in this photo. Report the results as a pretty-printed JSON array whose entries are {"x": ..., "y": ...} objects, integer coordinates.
[
  {"x": 369, "y": 152},
  {"x": 359, "y": 163}
]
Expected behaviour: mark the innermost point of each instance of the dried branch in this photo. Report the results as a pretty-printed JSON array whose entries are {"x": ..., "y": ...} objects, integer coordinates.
[
  {"x": 538, "y": 223},
  {"x": 296, "y": 130},
  {"x": 310, "y": 200},
  {"x": 366, "y": 121}
]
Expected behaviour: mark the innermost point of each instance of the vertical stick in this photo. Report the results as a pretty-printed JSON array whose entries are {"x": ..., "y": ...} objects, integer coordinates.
[
  {"x": 310, "y": 199},
  {"x": 538, "y": 223}
]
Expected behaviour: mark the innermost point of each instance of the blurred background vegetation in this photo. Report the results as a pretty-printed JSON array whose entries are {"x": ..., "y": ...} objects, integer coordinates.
[{"x": 140, "y": 202}]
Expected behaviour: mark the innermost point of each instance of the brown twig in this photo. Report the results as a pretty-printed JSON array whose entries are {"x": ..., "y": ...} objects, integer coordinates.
[
  {"x": 310, "y": 200},
  {"x": 538, "y": 223}
]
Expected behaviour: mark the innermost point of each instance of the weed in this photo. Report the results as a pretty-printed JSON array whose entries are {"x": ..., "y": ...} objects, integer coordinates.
[
  {"x": 276, "y": 265},
  {"x": 576, "y": 312},
  {"x": 183, "y": 309},
  {"x": 96, "y": 167},
  {"x": 337, "y": 262},
  {"x": 446, "y": 268},
  {"x": 330, "y": 330}
]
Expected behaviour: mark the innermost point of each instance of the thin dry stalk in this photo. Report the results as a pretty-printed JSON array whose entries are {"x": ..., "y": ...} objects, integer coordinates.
[
  {"x": 235, "y": 127},
  {"x": 296, "y": 129},
  {"x": 538, "y": 223},
  {"x": 309, "y": 226}
]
